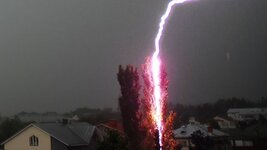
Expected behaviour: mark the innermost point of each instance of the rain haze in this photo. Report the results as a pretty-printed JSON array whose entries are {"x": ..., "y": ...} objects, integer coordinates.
[{"x": 64, "y": 54}]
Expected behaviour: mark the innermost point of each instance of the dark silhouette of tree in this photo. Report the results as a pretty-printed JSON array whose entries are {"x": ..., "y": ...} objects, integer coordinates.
[
  {"x": 201, "y": 141},
  {"x": 129, "y": 105},
  {"x": 113, "y": 141},
  {"x": 9, "y": 127}
]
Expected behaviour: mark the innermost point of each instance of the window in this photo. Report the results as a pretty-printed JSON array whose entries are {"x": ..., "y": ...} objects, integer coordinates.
[{"x": 34, "y": 141}]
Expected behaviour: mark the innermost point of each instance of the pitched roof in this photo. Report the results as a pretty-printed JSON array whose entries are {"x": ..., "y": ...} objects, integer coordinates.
[
  {"x": 74, "y": 134},
  {"x": 186, "y": 131}
]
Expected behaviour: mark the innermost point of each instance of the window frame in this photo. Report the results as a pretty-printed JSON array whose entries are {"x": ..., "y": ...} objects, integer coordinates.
[{"x": 33, "y": 140}]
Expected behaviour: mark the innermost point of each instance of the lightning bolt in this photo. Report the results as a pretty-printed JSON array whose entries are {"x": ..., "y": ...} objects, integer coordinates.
[{"x": 157, "y": 113}]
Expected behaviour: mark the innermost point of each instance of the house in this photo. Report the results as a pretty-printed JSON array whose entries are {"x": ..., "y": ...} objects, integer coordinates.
[
  {"x": 183, "y": 136},
  {"x": 246, "y": 114},
  {"x": 225, "y": 122},
  {"x": 54, "y": 136}
]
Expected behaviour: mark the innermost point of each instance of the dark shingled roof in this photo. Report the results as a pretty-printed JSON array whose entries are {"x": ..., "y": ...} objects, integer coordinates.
[{"x": 73, "y": 134}]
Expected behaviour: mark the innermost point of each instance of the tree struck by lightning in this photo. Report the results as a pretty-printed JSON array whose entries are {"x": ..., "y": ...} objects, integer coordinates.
[
  {"x": 157, "y": 94},
  {"x": 147, "y": 118},
  {"x": 139, "y": 125}
]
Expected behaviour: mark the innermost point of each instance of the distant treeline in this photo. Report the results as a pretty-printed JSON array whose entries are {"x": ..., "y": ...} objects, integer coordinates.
[
  {"x": 205, "y": 112},
  {"x": 202, "y": 112},
  {"x": 94, "y": 115}
]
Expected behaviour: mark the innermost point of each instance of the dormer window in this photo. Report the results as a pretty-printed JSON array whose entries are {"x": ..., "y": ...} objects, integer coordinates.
[{"x": 34, "y": 141}]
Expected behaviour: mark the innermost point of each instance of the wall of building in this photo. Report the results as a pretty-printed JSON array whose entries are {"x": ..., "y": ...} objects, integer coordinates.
[
  {"x": 22, "y": 141},
  {"x": 56, "y": 145}
]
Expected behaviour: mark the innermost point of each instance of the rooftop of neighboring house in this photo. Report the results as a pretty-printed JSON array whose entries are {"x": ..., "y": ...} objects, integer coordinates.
[
  {"x": 186, "y": 131},
  {"x": 71, "y": 134}
]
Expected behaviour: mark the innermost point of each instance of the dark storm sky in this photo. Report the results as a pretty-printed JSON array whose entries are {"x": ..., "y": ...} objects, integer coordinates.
[{"x": 64, "y": 54}]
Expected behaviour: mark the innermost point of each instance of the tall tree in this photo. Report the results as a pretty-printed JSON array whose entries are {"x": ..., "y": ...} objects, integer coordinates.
[
  {"x": 137, "y": 115},
  {"x": 129, "y": 104},
  {"x": 147, "y": 123},
  {"x": 168, "y": 140}
]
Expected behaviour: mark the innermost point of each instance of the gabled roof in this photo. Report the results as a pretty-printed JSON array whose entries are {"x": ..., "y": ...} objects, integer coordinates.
[
  {"x": 74, "y": 134},
  {"x": 186, "y": 131}
]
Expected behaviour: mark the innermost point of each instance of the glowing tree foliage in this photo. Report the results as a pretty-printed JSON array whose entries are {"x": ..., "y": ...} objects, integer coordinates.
[
  {"x": 147, "y": 103},
  {"x": 147, "y": 124},
  {"x": 137, "y": 115}
]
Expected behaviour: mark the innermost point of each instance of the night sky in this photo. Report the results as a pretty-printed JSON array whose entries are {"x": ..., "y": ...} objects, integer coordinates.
[{"x": 64, "y": 54}]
